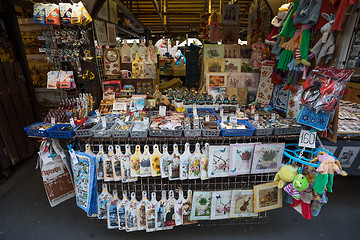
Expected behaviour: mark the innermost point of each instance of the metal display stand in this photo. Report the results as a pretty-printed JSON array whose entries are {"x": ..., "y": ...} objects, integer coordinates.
[{"x": 157, "y": 184}]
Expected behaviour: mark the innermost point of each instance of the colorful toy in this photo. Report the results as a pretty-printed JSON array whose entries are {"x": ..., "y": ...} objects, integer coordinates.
[
  {"x": 300, "y": 182},
  {"x": 325, "y": 178},
  {"x": 286, "y": 174},
  {"x": 179, "y": 57}
]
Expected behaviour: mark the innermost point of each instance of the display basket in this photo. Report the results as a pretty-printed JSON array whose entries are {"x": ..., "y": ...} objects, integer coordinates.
[
  {"x": 138, "y": 134},
  {"x": 120, "y": 133},
  {"x": 55, "y": 133},
  {"x": 100, "y": 133},
  {"x": 202, "y": 111},
  {"x": 288, "y": 131},
  {"x": 262, "y": 131},
  {"x": 210, "y": 132},
  {"x": 85, "y": 132},
  {"x": 37, "y": 132},
  {"x": 192, "y": 132},
  {"x": 165, "y": 132},
  {"x": 238, "y": 132}
]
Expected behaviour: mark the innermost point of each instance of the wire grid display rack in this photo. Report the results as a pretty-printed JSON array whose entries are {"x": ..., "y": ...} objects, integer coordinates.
[{"x": 157, "y": 184}]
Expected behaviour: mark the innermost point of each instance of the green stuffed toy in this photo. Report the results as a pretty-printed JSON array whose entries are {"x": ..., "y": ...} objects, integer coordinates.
[
  {"x": 287, "y": 173},
  {"x": 300, "y": 183}
]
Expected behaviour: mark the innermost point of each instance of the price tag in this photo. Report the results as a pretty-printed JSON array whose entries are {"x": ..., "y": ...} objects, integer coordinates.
[
  {"x": 127, "y": 118},
  {"x": 233, "y": 119},
  {"x": 103, "y": 122},
  {"x": 97, "y": 113},
  {"x": 73, "y": 156},
  {"x": 256, "y": 117},
  {"x": 53, "y": 121},
  {"x": 72, "y": 123},
  {"x": 307, "y": 139},
  {"x": 223, "y": 118},
  {"x": 162, "y": 111},
  {"x": 207, "y": 118},
  {"x": 118, "y": 121},
  {"x": 45, "y": 157},
  {"x": 221, "y": 112},
  {"x": 273, "y": 116}
]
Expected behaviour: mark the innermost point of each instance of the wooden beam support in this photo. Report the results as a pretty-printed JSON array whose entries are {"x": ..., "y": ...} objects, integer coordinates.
[
  {"x": 121, "y": 29},
  {"x": 159, "y": 14},
  {"x": 97, "y": 6},
  {"x": 130, "y": 15}
]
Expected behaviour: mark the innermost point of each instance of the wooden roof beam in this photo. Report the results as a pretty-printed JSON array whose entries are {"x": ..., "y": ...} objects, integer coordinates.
[
  {"x": 130, "y": 15},
  {"x": 159, "y": 14}
]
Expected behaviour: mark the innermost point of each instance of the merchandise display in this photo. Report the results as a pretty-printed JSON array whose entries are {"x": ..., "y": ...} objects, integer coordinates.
[{"x": 244, "y": 137}]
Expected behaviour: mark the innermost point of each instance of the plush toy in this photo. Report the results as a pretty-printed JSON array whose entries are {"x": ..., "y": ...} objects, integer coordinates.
[
  {"x": 296, "y": 188},
  {"x": 325, "y": 178},
  {"x": 179, "y": 57},
  {"x": 300, "y": 183},
  {"x": 287, "y": 173}
]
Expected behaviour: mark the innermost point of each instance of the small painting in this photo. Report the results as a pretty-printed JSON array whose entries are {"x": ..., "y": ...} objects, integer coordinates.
[
  {"x": 252, "y": 81},
  {"x": 241, "y": 156},
  {"x": 231, "y": 51},
  {"x": 267, "y": 157},
  {"x": 201, "y": 206},
  {"x": 219, "y": 160},
  {"x": 233, "y": 65},
  {"x": 220, "y": 205},
  {"x": 347, "y": 156},
  {"x": 267, "y": 196},
  {"x": 242, "y": 204},
  {"x": 213, "y": 51},
  {"x": 236, "y": 80},
  {"x": 216, "y": 79},
  {"x": 214, "y": 65}
]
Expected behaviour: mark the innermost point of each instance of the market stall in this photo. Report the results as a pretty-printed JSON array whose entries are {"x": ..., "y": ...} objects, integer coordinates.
[{"x": 149, "y": 155}]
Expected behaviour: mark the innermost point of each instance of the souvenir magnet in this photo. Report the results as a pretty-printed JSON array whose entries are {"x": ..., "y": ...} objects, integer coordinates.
[
  {"x": 126, "y": 165},
  {"x": 145, "y": 168},
  {"x": 164, "y": 162},
  {"x": 155, "y": 161},
  {"x": 111, "y": 208},
  {"x": 178, "y": 209},
  {"x": 142, "y": 212},
  {"x": 135, "y": 162},
  {"x": 194, "y": 163},
  {"x": 131, "y": 210},
  {"x": 121, "y": 211},
  {"x": 108, "y": 167},
  {"x": 117, "y": 163},
  {"x": 174, "y": 162},
  {"x": 150, "y": 214},
  {"x": 184, "y": 162},
  {"x": 169, "y": 210},
  {"x": 103, "y": 198}
]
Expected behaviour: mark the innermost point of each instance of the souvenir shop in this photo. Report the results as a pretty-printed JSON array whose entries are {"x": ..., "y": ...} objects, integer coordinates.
[{"x": 157, "y": 114}]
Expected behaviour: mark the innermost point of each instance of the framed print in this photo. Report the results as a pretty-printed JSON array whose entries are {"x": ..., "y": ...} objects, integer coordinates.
[
  {"x": 213, "y": 51},
  {"x": 233, "y": 65},
  {"x": 279, "y": 99},
  {"x": 267, "y": 196},
  {"x": 201, "y": 206},
  {"x": 348, "y": 155},
  {"x": 236, "y": 80},
  {"x": 230, "y": 14},
  {"x": 231, "y": 51},
  {"x": 230, "y": 34},
  {"x": 101, "y": 34},
  {"x": 214, "y": 65},
  {"x": 216, "y": 80},
  {"x": 252, "y": 81},
  {"x": 265, "y": 85},
  {"x": 220, "y": 205},
  {"x": 219, "y": 158},
  {"x": 241, "y": 156},
  {"x": 242, "y": 204},
  {"x": 240, "y": 93},
  {"x": 267, "y": 157},
  {"x": 111, "y": 32},
  {"x": 245, "y": 65}
]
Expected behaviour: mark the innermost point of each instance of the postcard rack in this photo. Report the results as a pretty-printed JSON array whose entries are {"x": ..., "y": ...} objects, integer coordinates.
[{"x": 157, "y": 184}]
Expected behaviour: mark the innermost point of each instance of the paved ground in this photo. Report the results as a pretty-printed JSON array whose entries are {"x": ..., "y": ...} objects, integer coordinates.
[{"x": 26, "y": 214}]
